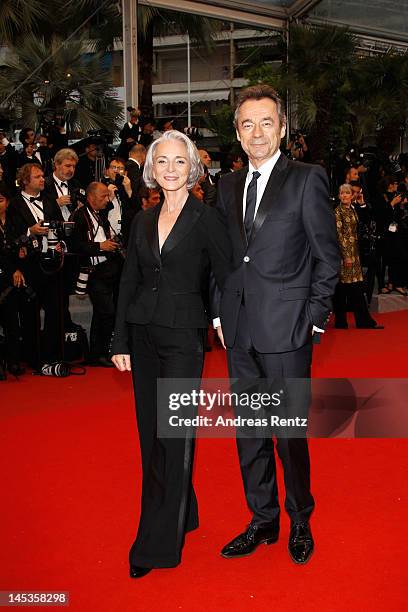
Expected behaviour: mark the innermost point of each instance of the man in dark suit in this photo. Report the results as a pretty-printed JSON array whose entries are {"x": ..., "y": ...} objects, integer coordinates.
[
  {"x": 92, "y": 239},
  {"x": 64, "y": 191},
  {"x": 284, "y": 271},
  {"x": 134, "y": 166},
  {"x": 25, "y": 218}
]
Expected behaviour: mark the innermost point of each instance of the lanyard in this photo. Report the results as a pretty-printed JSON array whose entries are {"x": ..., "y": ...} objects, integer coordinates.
[
  {"x": 59, "y": 188},
  {"x": 33, "y": 211}
]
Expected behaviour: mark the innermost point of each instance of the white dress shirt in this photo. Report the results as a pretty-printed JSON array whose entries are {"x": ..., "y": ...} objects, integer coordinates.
[
  {"x": 62, "y": 190},
  {"x": 38, "y": 214},
  {"x": 99, "y": 236}
]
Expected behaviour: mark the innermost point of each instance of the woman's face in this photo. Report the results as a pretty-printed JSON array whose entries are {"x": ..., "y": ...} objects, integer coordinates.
[
  {"x": 171, "y": 165},
  {"x": 3, "y": 203},
  {"x": 346, "y": 197},
  {"x": 29, "y": 149}
]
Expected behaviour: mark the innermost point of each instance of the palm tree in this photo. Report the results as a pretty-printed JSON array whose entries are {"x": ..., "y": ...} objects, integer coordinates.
[
  {"x": 56, "y": 78},
  {"x": 317, "y": 76},
  {"x": 20, "y": 16},
  {"x": 380, "y": 94}
]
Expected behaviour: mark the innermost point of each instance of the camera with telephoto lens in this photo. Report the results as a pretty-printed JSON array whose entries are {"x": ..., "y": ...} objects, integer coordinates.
[
  {"x": 82, "y": 281},
  {"x": 78, "y": 195}
]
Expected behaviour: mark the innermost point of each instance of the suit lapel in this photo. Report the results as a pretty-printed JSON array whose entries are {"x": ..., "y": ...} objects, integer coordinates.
[
  {"x": 271, "y": 193},
  {"x": 150, "y": 220},
  {"x": 239, "y": 195},
  {"x": 26, "y": 212},
  {"x": 190, "y": 214}
]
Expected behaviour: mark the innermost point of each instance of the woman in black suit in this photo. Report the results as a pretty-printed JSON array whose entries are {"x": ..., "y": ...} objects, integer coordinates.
[{"x": 159, "y": 332}]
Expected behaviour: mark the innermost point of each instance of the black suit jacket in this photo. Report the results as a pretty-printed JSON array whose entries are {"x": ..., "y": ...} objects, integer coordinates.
[
  {"x": 52, "y": 193},
  {"x": 19, "y": 217},
  {"x": 166, "y": 288},
  {"x": 288, "y": 271}
]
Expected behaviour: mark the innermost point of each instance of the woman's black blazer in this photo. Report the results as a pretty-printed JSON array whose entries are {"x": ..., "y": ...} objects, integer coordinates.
[{"x": 168, "y": 288}]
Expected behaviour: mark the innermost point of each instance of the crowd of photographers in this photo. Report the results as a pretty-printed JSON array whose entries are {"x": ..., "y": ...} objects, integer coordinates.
[{"x": 65, "y": 216}]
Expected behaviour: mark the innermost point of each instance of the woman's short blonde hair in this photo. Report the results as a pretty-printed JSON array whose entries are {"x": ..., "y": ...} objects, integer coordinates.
[
  {"x": 196, "y": 167},
  {"x": 345, "y": 187}
]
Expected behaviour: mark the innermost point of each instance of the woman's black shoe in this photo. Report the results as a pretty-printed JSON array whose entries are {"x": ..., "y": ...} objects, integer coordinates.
[{"x": 139, "y": 572}]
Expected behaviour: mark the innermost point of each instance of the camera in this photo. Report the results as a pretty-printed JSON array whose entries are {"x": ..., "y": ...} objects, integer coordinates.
[{"x": 78, "y": 195}]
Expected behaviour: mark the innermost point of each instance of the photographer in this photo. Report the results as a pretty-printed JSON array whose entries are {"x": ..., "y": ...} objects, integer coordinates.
[
  {"x": 85, "y": 171},
  {"x": 297, "y": 148},
  {"x": 66, "y": 193},
  {"x": 11, "y": 280},
  {"x": 93, "y": 239},
  {"x": 134, "y": 166},
  {"x": 25, "y": 220},
  {"x": 131, "y": 133},
  {"x": 391, "y": 218},
  {"x": 8, "y": 162},
  {"x": 123, "y": 204}
]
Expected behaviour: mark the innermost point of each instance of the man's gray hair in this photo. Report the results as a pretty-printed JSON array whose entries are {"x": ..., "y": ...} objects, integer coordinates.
[
  {"x": 196, "y": 167},
  {"x": 64, "y": 154}
]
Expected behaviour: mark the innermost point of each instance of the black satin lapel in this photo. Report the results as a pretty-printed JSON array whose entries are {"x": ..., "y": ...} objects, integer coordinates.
[
  {"x": 151, "y": 220},
  {"x": 271, "y": 193},
  {"x": 26, "y": 213},
  {"x": 239, "y": 195},
  {"x": 191, "y": 212}
]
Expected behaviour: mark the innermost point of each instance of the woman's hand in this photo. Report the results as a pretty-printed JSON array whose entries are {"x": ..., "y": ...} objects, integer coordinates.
[{"x": 122, "y": 362}]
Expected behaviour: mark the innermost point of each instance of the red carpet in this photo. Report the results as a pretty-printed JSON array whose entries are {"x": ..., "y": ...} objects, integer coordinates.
[{"x": 71, "y": 482}]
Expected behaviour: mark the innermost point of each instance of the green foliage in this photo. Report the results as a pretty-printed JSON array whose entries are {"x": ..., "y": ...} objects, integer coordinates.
[
  {"x": 48, "y": 74},
  {"x": 221, "y": 123},
  {"x": 336, "y": 93}
]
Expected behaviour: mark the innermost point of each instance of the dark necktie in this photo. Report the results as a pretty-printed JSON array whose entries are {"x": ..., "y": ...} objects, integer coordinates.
[{"x": 251, "y": 204}]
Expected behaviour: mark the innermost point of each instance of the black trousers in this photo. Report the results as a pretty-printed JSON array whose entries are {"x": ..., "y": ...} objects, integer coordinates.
[
  {"x": 350, "y": 296},
  {"x": 256, "y": 455},
  {"x": 169, "y": 505},
  {"x": 103, "y": 286}
]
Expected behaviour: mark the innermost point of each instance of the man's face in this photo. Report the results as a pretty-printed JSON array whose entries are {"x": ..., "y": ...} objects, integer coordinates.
[
  {"x": 42, "y": 141},
  {"x": 29, "y": 149},
  {"x": 2, "y": 147},
  {"x": 91, "y": 151},
  {"x": 148, "y": 128},
  {"x": 237, "y": 164},
  {"x": 65, "y": 170},
  {"x": 258, "y": 130},
  {"x": 205, "y": 157},
  {"x": 3, "y": 203},
  {"x": 152, "y": 200},
  {"x": 36, "y": 182},
  {"x": 115, "y": 168},
  {"x": 352, "y": 175},
  {"x": 167, "y": 126},
  {"x": 99, "y": 198},
  {"x": 30, "y": 136}
]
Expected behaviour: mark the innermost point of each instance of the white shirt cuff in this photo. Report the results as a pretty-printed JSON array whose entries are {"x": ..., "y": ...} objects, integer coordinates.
[
  {"x": 216, "y": 322},
  {"x": 318, "y": 330}
]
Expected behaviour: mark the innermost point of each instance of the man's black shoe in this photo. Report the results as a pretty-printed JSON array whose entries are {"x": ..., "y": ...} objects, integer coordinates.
[
  {"x": 300, "y": 542},
  {"x": 247, "y": 542},
  {"x": 138, "y": 572}
]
